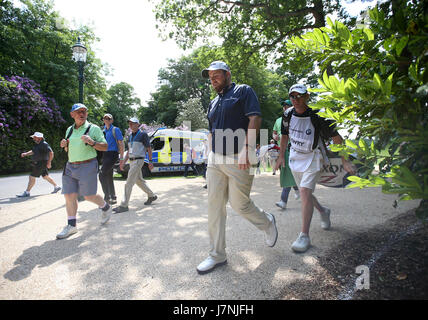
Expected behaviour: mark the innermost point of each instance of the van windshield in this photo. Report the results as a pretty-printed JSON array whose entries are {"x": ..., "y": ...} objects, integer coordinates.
[{"x": 157, "y": 144}]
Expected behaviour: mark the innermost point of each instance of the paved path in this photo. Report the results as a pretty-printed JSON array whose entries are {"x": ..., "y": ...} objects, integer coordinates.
[{"x": 151, "y": 252}]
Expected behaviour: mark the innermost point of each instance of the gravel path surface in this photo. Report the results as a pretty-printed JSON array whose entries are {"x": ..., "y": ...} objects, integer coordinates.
[{"x": 151, "y": 252}]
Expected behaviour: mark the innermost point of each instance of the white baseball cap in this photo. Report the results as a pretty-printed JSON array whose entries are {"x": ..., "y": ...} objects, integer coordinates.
[
  {"x": 133, "y": 119},
  {"x": 216, "y": 65},
  {"x": 37, "y": 135},
  {"x": 300, "y": 88}
]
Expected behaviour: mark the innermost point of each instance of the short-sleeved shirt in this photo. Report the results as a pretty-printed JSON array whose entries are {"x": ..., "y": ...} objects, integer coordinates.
[
  {"x": 301, "y": 132},
  {"x": 77, "y": 149},
  {"x": 111, "y": 141},
  {"x": 277, "y": 128},
  {"x": 138, "y": 143},
  {"x": 41, "y": 151},
  {"x": 230, "y": 110}
]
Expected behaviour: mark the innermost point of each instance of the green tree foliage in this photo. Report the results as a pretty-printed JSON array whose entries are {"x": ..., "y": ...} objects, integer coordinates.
[
  {"x": 122, "y": 103},
  {"x": 36, "y": 43},
  {"x": 191, "y": 111},
  {"x": 381, "y": 88},
  {"x": 179, "y": 81},
  {"x": 247, "y": 26}
]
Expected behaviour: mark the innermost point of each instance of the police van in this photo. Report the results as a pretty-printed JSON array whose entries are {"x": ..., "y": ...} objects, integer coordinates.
[{"x": 168, "y": 150}]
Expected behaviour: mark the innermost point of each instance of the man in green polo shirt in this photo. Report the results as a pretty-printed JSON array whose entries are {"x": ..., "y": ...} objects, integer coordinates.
[{"x": 80, "y": 173}]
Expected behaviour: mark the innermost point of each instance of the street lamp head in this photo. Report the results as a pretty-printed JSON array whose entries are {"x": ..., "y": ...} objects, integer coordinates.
[{"x": 79, "y": 51}]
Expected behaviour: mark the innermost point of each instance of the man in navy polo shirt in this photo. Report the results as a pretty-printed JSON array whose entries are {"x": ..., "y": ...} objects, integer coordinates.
[
  {"x": 115, "y": 147},
  {"x": 234, "y": 118}
]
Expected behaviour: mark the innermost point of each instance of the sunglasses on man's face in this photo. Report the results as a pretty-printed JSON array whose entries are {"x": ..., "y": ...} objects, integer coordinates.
[
  {"x": 296, "y": 96},
  {"x": 107, "y": 119}
]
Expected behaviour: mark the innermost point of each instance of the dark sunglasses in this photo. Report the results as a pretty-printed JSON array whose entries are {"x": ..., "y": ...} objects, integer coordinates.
[
  {"x": 107, "y": 118},
  {"x": 295, "y": 97}
]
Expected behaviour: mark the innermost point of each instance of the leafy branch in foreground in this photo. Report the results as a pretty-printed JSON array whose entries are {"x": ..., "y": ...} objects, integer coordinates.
[{"x": 380, "y": 88}]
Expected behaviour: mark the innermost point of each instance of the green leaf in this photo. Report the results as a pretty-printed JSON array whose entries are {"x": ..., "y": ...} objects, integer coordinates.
[
  {"x": 351, "y": 144},
  {"x": 377, "y": 81},
  {"x": 369, "y": 34},
  {"x": 402, "y": 43}
]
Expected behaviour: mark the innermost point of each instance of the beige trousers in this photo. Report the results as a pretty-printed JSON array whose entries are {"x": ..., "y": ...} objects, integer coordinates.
[
  {"x": 135, "y": 176},
  {"x": 228, "y": 183}
]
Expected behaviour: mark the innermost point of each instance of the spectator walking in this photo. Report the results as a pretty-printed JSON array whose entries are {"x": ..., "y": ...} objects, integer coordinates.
[
  {"x": 235, "y": 110},
  {"x": 189, "y": 161},
  {"x": 273, "y": 154},
  {"x": 115, "y": 148},
  {"x": 305, "y": 131},
  {"x": 83, "y": 140},
  {"x": 138, "y": 145},
  {"x": 286, "y": 177},
  {"x": 41, "y": 160}
]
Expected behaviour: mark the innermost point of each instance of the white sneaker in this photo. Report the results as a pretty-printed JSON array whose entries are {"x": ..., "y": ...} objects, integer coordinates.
[
  {"x": 66, "y": 232},
  {"x": 302, "y": 243},
  {"x": 105, "y": 215},
  {"x": 281, "y": 204},
  {"x": 23, "y": 195},
  {"x": 271, "y": 234},
  {"x": 208, "y": 265},
  {"x": 325, "y": 219},
  {"x": 296, "y": 194}
]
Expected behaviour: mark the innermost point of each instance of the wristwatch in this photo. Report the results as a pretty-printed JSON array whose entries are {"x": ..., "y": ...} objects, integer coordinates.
[{"x": 93, "y": 145}]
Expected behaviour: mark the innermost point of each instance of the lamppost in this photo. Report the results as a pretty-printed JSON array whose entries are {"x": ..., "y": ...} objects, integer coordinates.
[{"x": 79, "y": 56}]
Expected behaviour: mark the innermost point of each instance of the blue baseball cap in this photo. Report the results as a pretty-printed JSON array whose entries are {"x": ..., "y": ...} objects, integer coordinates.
[
  {"x": 78, "y": 106},
  {"x": 216, "y": 65}
]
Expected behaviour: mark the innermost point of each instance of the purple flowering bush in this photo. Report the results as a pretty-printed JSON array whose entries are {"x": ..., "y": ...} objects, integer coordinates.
[{"x": 24, "y": 109}]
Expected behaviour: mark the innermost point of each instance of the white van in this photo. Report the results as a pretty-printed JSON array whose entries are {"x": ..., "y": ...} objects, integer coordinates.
[{"x": 168, "y": 148}]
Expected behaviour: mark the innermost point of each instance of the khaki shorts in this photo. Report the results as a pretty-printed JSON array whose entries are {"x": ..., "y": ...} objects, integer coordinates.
[{"x": 309, "y": 178}]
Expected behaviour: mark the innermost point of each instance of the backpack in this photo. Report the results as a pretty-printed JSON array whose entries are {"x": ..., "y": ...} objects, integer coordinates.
[
  {"x": 332, "y": 172},
  {"x": 99, "y": 153}
]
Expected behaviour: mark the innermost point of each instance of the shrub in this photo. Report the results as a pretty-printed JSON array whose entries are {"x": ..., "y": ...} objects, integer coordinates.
[{"x": 24, "y": 110}]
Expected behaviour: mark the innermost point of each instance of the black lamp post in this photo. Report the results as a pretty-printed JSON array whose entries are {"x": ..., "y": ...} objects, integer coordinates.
[{"x": 79, "y": 55}]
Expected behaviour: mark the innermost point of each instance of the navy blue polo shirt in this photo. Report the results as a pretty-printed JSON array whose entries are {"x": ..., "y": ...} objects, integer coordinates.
[
  {"x": 41, "y": 151},
  {"x": 230, "y": 110}
]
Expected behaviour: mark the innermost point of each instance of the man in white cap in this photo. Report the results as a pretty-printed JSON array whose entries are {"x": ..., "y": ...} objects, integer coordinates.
[
  {"x": 234, "y": 118},
  {"x": 305, "y": 129},
  {"x": 42, "y": 155},
  {"x": 138, "y": 144}
]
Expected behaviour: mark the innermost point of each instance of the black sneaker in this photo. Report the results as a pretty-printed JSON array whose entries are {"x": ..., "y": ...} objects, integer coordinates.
[
  {"x": 150, "y": 200},
  {"x": 112, "y": 201},
  {"x": 120, "y": 209}
]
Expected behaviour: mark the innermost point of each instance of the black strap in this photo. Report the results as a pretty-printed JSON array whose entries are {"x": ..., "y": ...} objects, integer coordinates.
[{"x": 315, "y": 122}]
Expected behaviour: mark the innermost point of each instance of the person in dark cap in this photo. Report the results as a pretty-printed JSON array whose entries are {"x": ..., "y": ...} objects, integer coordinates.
[
  {"x": 42, "y": 155},
  {"x": 234, "y": 118},
  {"x": 286, "y": 177}
]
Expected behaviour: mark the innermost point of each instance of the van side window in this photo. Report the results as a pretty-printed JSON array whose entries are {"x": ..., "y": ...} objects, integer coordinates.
[
  {"x": 177, "y": 144},
  {"x": 157, "y": 144}
]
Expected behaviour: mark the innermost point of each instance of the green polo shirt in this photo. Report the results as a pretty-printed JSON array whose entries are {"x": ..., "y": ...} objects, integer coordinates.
[
  {"x": 277, "y": 128},
  {"x": 77, "y": 150}
]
